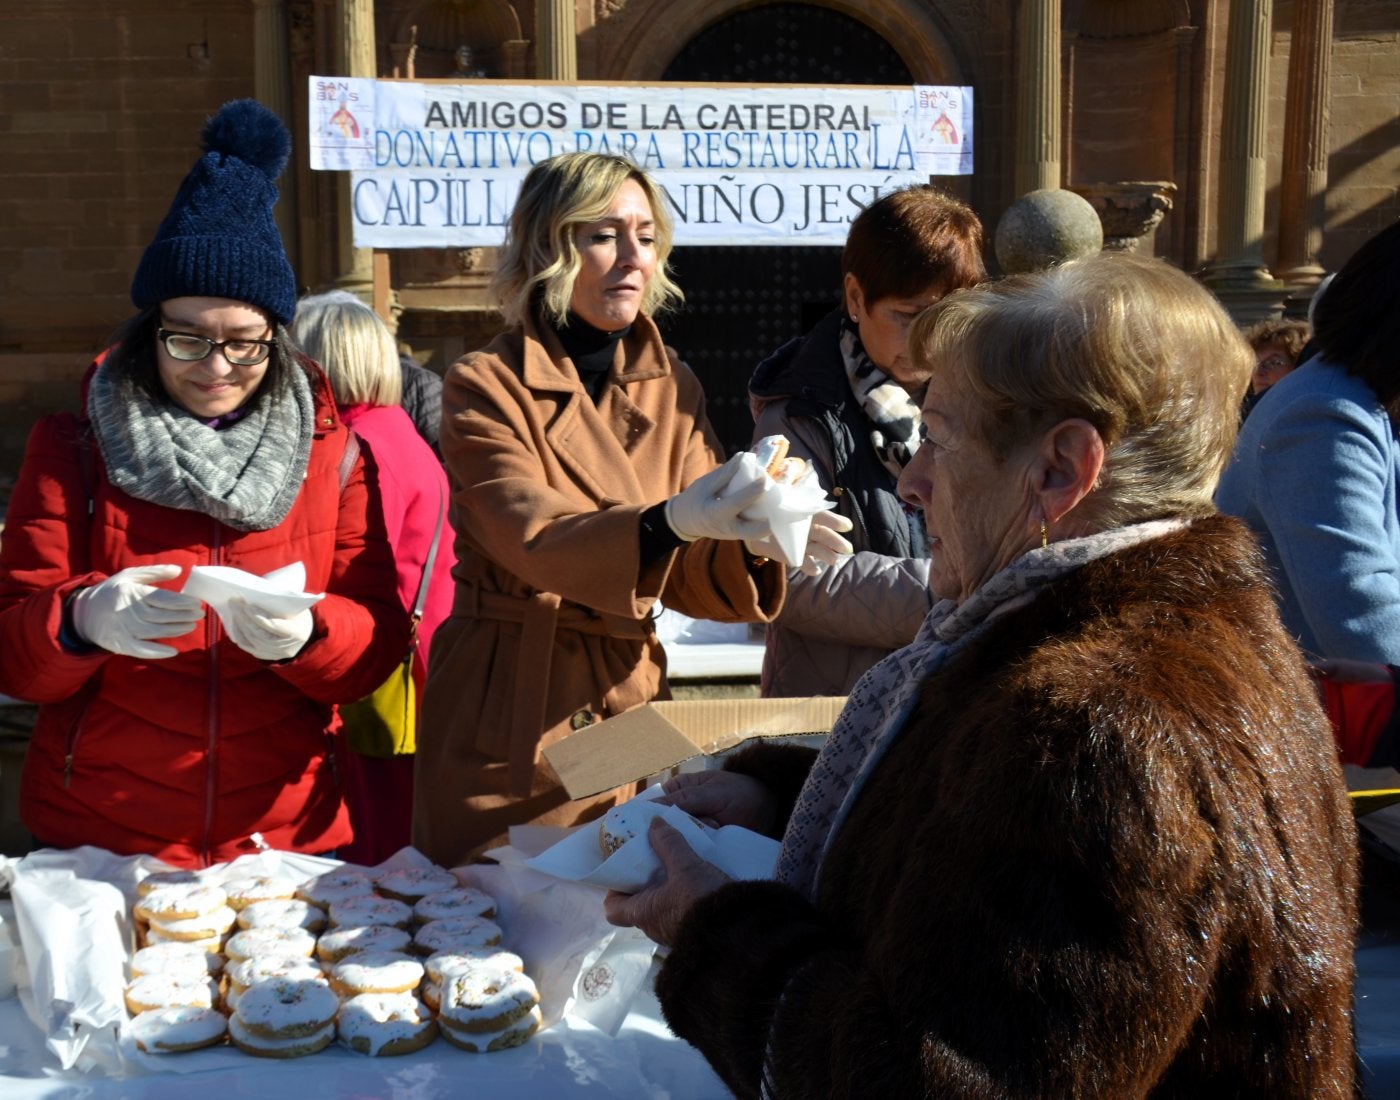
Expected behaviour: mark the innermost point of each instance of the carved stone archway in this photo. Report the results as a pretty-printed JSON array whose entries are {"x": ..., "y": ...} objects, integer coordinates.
[{"x": 656, "y": 30}]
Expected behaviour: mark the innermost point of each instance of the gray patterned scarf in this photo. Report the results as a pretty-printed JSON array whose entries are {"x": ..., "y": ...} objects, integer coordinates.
[
  {"x": 894, "y": 417},
  {"x": 883, "y": 699},
  {"x": 247, "y": 475}
]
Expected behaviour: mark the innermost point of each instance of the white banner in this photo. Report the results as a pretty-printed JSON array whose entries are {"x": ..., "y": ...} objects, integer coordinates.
[{"x": 437, "y": 165}]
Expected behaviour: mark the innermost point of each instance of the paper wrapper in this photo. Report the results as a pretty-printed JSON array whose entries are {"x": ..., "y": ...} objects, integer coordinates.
[
  {"x": 788, "y": 507},
  {"x": 588, "y": 968},
  {"x": 276, "y": 593},
  {"x": 739, "y": 853}
]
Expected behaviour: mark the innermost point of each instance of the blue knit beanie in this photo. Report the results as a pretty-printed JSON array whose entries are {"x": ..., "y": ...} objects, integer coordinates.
[{"x": 219, "y": 239}]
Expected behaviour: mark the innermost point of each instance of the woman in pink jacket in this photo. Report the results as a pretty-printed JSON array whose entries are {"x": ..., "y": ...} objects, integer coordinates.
[
  {"x": 206, "y": 439},
  {"x": 357, "y": 351}
]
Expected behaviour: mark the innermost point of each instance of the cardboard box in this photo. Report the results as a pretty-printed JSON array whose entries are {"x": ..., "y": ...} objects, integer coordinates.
[{"x": 652, "y": 738}]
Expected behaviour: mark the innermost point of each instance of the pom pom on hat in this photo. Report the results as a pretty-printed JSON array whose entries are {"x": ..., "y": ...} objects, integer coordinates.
[
  {"x": 249, "y": 131},
  {"x": 219, "y": 239}
]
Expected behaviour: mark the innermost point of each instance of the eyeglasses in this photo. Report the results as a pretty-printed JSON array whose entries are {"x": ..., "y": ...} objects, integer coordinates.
[{"x": 189, "y": 348}]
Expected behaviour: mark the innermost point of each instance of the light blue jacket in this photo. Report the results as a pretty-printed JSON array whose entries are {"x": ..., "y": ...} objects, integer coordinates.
[{"x": 1315, "y": 474}]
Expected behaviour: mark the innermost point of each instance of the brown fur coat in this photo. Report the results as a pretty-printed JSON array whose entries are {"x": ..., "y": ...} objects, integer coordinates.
[{"x": 1110, "y": 856}]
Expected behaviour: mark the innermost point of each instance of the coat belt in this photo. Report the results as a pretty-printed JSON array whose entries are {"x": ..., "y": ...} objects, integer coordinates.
[{"x": 541, "y": 615}]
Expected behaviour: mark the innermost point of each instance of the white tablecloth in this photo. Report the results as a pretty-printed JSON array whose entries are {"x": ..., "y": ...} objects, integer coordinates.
[
  {"x": 571, "y": 1058},
  {"x": 643, "y": 1062}
]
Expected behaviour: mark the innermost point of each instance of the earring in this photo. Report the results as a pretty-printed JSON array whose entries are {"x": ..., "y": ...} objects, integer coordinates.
[{"x": 1044, "y": 534}]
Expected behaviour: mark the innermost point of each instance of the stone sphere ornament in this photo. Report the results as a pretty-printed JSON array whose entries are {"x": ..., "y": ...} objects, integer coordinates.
[{"x": 1044, "y": 228}]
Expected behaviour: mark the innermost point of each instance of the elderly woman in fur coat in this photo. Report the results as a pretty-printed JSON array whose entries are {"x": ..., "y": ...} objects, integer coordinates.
[{"x": 1085, "y": 836}]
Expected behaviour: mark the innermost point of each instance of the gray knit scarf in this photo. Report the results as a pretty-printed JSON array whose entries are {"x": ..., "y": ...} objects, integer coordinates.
[
  {"x": 883, "y": 699},
  {"x": 247, "y": 475}
]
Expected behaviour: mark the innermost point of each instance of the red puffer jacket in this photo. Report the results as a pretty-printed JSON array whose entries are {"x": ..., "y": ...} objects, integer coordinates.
[{"x": 188, "y": 757}]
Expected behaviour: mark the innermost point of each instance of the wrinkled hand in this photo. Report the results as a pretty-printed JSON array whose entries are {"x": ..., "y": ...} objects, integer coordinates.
[
  {"x": 125, "y": 612},
  {"x": 720, "y": 798},
  {"x": 266, "y": 637},
  {"x": 709, "y": 507},
  {"x": 659, "y": 909},
  {"x": 825, "y": 546}
]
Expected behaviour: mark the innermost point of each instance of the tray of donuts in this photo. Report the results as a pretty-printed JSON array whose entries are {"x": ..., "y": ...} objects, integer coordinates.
[{"x": 281, "y": 969}]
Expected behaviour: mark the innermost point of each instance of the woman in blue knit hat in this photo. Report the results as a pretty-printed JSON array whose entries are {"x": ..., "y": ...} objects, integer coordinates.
[{"x": 197, "y": 733}]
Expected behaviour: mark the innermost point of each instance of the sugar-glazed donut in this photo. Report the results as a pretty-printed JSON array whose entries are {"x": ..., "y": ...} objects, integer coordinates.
[
  {"x": 282, "y": 942},
  {"x": 242, "y": 892},
  {"x": 249, "y": 972},
  {"x": 164, "y": 991},
  {"x": 411, "y": 883},
  {"x": 482, "y": 1042},
  {"x": 440, "y": 968},
  {"x": 376, "y": 972},
  {"x": 353, "y": 912},
  {"x": 157, "y": 879},
  {"x": 340, "y": 942},
  {"x": 252, "y": 1042},
  {"x": 464, "y": 901},
  {"x": 487, "y": 999},
  {"x": 287, "y": 1008},
  {"x": 180, "y": 902},
  {"x": 456, "y": 933},
  {"x": 173, "y": 1030},
  {"x": 151, "y": 935},
  {"x": 443, "y": 965},
  {"x": 175, "y": 959},
  {"x": 203, "y": 927},
  {"x": 622, "y": 823},
  {"x": 282, "y": 913},
  {"x": 383, "y": 1024},
  {"x": 333, "y": 886}
]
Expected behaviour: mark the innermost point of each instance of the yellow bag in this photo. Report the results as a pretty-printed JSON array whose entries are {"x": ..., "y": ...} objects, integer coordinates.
[{"x": 385, "y": 722}]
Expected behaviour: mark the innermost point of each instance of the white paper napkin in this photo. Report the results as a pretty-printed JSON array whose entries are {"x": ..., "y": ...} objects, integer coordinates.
[
  {"x": 789, "y": 507},
  {"x": 277, "y": 593},
  {"x": 739, "y": 853}
]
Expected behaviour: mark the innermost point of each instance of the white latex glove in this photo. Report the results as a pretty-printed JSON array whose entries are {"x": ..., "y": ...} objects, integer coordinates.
[
  {"x": 265, "y": 636},
  {"x": 125, "y": 612},
  {"x": 709, "y": 507},
  {"x": 825, "y": 546}
]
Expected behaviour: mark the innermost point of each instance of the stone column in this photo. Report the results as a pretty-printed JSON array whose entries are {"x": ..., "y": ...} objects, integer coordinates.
[
  {"x": 1306, "y": 113},
  {"x": 354, "y": 55},
  {"x": 1238, "y": 276},
  {"x": 556, "y": 41},
  {"x": 1038, "y": 96},
  {"x": 272, "y": 87}
]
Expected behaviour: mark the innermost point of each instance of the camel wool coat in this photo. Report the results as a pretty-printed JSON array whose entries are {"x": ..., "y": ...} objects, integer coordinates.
[{"x": 551, "y": 627}]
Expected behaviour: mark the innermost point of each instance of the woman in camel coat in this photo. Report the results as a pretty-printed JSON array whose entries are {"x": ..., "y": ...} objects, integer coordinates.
[{"x": 586, "y": 484}]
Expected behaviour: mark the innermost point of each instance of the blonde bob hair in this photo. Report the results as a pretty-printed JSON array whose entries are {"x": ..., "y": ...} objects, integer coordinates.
[
  {"x": 354, "y": 347},
  {"x": 540, "y": 258},
  {"x": 1134, "y": 346}
]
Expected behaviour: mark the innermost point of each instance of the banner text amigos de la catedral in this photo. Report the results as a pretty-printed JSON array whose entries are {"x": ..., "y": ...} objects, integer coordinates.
[{"x": 438, "y": 164}]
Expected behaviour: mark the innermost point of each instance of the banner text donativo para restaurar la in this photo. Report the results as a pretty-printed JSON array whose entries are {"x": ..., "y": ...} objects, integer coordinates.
[{"x": 439, "y": 164}]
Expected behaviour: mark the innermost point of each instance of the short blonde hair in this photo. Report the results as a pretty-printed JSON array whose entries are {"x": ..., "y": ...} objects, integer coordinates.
[
  {"x": 1134, "y": 346},
  {"x": 540, "y": 256},
  {"x": 354, "y": 347}
]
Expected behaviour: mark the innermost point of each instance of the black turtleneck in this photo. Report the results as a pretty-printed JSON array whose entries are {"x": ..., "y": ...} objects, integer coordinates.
[{"x": 592, "y": 351}]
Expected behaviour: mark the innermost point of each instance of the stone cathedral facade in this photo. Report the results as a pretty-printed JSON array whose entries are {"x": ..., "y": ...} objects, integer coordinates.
[{"x": 1255, "y": 143}]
